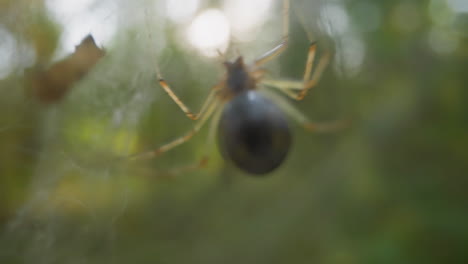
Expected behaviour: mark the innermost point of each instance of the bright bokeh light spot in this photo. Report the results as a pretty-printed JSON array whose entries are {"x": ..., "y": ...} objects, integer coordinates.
[
  {"x": 209, "y": 32},
  {"x": 181, "y": 11},
  {"x": 7, "y": 51},
  {"x": 440, "y": 13},
  {"x": 68, "y": 7},
  {"x": 443, "y": 41},
  {"x": 336, "y": 19},
  {"x": 82, "y": 17},
  {"x": 246, "y": 16},
  {"x": 458, "y": 6},
  {"x": 350, "y": 55}
]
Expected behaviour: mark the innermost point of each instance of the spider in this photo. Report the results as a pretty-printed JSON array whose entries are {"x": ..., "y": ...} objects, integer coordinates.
[{"x": 253, "y": 132}]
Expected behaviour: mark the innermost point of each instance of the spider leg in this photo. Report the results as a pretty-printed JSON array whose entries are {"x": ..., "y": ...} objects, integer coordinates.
[
  {"x": 180, "y": 140},
  {"x": 189, "y": 168},
  {"x": 210, "y": 141},
  {"x": 321, "y": 127},
  {"x": 310, "y": 61},
  {"x": 173, "y": 172},
  {"x": 200, "y": 164},
  {"x": 298, "y": 89},
  {"x": 274, "y": 52},
  {"x": 171, "y": 93},
  {"x": 183, "y": 107}
]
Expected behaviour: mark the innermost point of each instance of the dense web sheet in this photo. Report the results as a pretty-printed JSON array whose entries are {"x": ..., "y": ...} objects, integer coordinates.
[{"x": 67, "y": 149}]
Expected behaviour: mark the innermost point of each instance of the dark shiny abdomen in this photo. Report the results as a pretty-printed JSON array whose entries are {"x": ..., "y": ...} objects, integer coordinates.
[{"x": 253, "y": 133}]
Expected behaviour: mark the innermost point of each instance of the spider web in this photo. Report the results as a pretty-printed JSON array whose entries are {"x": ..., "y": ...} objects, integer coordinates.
[{"x": 81, "y": 193}]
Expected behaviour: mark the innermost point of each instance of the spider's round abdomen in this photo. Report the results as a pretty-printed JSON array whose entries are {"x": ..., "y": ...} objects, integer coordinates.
[{"x": 253, "y": 133}]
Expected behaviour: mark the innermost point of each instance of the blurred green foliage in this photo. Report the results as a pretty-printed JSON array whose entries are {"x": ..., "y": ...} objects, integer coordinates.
[{"x": 389, "y": 189}]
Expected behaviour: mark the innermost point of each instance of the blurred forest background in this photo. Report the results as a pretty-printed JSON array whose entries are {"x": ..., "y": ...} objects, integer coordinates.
[{"x": 391, "y": 188}]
